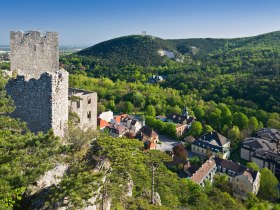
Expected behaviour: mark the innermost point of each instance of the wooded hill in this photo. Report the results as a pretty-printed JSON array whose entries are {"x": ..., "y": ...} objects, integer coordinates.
[
  {"x": 243, "y": 71},
  {"x": 143, "y": 50}
]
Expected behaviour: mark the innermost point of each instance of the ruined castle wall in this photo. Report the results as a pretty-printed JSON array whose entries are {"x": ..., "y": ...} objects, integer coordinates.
[
  {"x": 34, "y": 53},
  {"x": 89, "y": 114},
  {"x": 42, "y": 103},
  {"x": 32, "y": 100},
  {"x": 59, "y": 102},
  {"x": 86, "y": 107}
]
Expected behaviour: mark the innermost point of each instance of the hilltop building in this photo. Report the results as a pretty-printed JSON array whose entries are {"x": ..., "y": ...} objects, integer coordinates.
[
  {"x": 40, "y": 90},
  {"x": 84, "y": 104}
]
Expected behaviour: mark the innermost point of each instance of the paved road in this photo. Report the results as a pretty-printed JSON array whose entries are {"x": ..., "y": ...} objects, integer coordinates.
[{"x": 166, "y": 143}]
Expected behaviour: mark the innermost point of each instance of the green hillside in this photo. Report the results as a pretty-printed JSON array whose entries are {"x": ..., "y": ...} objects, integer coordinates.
[
  {"x": 244, "y": 70},
  {"x": 143, "y": 50},
  {"x": 139, "y": 50}
]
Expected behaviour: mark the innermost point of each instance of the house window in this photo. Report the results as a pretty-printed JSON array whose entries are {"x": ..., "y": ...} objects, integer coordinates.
[
  {"x": 89, "y": 100},
  {"x": 89, "y": 114},
  {"x": 78, "y": 104}
]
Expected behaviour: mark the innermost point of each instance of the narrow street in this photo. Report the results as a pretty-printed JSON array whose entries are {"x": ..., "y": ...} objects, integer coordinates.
[{"x": 166, "y": 143}]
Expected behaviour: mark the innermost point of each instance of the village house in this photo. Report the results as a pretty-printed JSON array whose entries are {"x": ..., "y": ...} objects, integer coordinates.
[
  {"x": 184, "y": 118},
  {"x": 243, "y": 179},
  {"x": 149, "y": 145},
  {"x": 179, "y": 164},
  {"x": 116, "y": 130},
  {"x": 118, "y": 118},
  {"x": 102, "y": 123},
  {"x": 181, "y": 121},
  {"x": 108, "y": 115},
  {"x": 181, "y": 129},
  {"x": 263, "y": 149},
  {"x": 126, "y": 125},
  {"x": 107, "y": 118},
  {"x": 131, "y": 123},
  {"x": 212, "y": 143},
  {"x": 146, "y": 133},
  {"x": 205, "y": 172}
]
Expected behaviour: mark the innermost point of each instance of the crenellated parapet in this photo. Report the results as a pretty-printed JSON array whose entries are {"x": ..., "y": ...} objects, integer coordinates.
[{"x": 34, "y": 52}]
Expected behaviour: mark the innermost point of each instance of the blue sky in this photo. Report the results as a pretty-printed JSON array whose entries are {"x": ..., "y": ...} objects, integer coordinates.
[{"x": 92, "y": 21}]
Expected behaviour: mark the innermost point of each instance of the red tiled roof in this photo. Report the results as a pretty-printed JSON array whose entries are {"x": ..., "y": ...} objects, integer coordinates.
[
  {"x": 118, "y": 118},
  {"x": 102, "y": 123},
  {"x": 148, "y": 132},
  {"x": 203, "y": 171}
]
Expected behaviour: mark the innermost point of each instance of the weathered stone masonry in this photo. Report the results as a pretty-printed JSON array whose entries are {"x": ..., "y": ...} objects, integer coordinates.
[
  {"x": 85, "y": 107},
  {"x": 40, "y": 92},
  {"x": 34, "y": 53},
  {"x": 41, "y": 102}
]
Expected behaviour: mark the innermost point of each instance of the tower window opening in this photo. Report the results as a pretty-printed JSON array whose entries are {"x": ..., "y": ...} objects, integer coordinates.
[{"x": 89, "y": 114}]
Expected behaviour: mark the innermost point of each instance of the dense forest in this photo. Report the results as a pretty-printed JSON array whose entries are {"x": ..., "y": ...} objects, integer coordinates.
[{"x": 244, "y": 71}]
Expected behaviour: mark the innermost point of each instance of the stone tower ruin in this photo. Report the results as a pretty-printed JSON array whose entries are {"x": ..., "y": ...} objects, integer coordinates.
[
  {"x": 34, "y": 52},
  {"x": 40, "y": 91}
]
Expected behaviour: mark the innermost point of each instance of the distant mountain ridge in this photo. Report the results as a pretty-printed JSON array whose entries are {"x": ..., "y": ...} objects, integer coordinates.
[{"x": 144, "y": 50}]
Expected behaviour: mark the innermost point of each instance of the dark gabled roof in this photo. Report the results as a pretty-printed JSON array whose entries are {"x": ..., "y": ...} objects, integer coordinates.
[
  {"x": 252, "y": 142},
  {"x": 192, "y": 169},
  {"x": 233, "y": 166},
  {"x": 181, "y": 119},
  {"x": 228, "y": 164},
  {"x": 267, "y": 154},
  {"x": 212, "y": 140},
  {"x": 176, "y": 161},
  {"x": 148, "y": 131},
  {"x": 133, "y": 122},
  {"x": 206, "y": 145},
  {"x": 127, "y": 118},
  {"x": 269, "y": 134},
  {"x": 117, "y": 128},
  {"x": 215, "y": 138},
  {"x": 258, "y": 143}
]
